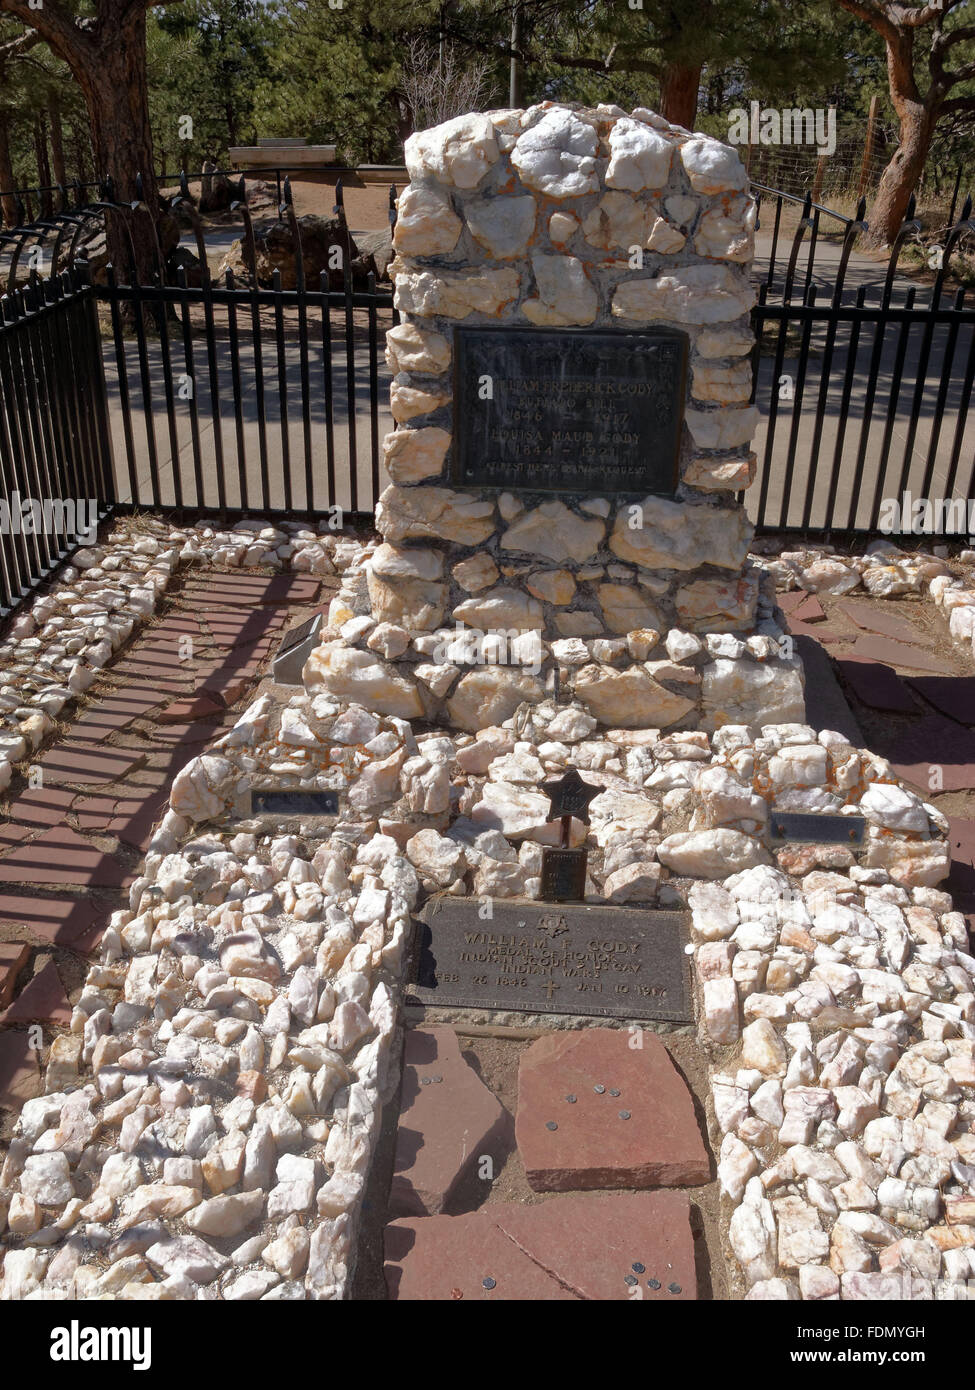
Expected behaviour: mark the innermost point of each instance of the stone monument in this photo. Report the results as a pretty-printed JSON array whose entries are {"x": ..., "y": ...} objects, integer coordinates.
[{"x": 572, "y": 377}]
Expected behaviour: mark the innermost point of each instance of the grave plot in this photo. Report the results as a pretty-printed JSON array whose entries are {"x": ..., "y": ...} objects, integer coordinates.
[{"x": 373, "y": 995}]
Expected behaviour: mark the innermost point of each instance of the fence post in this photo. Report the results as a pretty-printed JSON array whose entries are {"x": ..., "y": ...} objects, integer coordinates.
[{"x": 867, "y": 147}]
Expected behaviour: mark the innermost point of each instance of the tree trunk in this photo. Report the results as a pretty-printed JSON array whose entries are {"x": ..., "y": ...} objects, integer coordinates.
[
  {"x": 57, "y": 141},
  {"x": 45, "y": 200},
  {"x": 114, "y": 82},
  {"x": 8, "y": 203},
  {"x": 679, "y": 87},
  {"x": 901, "y": 176}
]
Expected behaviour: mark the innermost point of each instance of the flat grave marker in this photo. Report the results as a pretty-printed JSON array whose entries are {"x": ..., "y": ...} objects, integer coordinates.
[{"x": 539, "y": 957}]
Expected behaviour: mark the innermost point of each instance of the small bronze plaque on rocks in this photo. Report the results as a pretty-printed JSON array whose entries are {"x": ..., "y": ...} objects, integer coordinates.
[
  {"x": 294, "y": 803},
  {"x": 540, "y": 957},
  {"x": 816, "y": 828},
  {"x": 570, "y": 410},
  {"x": 564, "y": 875}
]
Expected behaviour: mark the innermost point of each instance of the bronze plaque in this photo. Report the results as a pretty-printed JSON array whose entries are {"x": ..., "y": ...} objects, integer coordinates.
[
  {"x": 550, "y": 958},
  {"x": 816, "y": 828},
  {"x": 564, "y": 875},
  {"x": 568, "y": 410}
]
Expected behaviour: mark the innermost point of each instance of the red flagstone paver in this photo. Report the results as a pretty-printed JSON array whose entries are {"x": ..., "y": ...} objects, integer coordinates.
[
  {"x": 76, "y": 923},
  {"x": 584, "y": 1247},
  {"x": 952, "y": 695},
  {"x": 165, "y": 737},
  {"x": 790, "y": 599},
  {"x": 199, "y": 706},
  {"x": 86, "y": 764},
  {"x": 60, "y": 855},
  {"x": 875, "y": 618},
  {"x": 934, "y": 741},
  {"x": 14, "y": 955},
  {"x": 228, "y": 689},
  {"x": 819, "y": 632},
  {"x": 20, "y": 1077},
  {"x": 448, "y": 1119},
  {"x": 104, "y": 814},
  {"x": 877, "y": 685},
  {"x": 810, "y": 610},
  {"x": 961, "y": 838},
  {"x": 12, "y": 835},
  {"x": 41, "y": 806},
  {"x": 42, "y": 1000},
  {"x": 631, "y": 1122},
  {"x": 899, "y": 654}
]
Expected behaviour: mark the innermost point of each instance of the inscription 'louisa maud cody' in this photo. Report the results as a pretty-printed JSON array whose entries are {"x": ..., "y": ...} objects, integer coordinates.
[
  {"x": 534, "y": 956},
  {"x": 568, "y": 410}
]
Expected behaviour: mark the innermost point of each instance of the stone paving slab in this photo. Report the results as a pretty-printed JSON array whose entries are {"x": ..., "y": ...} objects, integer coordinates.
[
  {"x": 60, "y": 855},
  {"x": 14, "y": 955},
  {"x": 951, "y": 695},
  {"x": 595, "y": 1110},
  {"x": 105, "y": 814},
  {"x": 877, "y": 685},
  {"x": 790, "y": 599},
  {"x": 587, "y": 1247},
  {"x": 42, "y": 1000},
  {"x": 874, "y": 618},
  {"x": 961, "y": 838},
  {"x": 41, "y": 806},
  {"x": 934, "y": 740},
  {"x": 819, "y": 632},
  {"x": 20, "y": 1076},
  {"x": 76, "y": 923},
  {"x": 215, "y": 590},
  {"x": 810, "y": 610},
  {"x": 826, "y": 705},
  {"x": 86, "y": 764},
  {"x": 448, "y": 1119},
  {"x": 899, "y": 654},
  {"x": 200, "y": 706}
]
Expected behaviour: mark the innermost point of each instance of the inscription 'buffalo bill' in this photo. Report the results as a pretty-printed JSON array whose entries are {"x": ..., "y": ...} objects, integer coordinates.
[
  {"x": 568, "y": 410},
  {"x": 551, "y": 958}
]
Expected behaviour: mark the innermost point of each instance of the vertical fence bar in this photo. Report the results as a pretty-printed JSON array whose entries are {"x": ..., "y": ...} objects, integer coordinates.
[
  {"x": 30, "y": 471},
  {"x": 963, "y": 407},
  {"x": 329, "y": 387},
  {"x": 189, "y": 363},
  {"x": 165, "y": 352},
  {"x": 350, "y": 388},
  {"x": 213, "y": 373},
  {"x": 282, "y": 387},
  {"x": 848, "y": 378},
  {"x": 897, "y": 375},
  {"x": 122, "y": 371},
  {"x": 373, "y": 392},
  {"x": 233, "y": 337},
  {"x": 13, "y": 446},
  {"x": 303, "y": 362}
]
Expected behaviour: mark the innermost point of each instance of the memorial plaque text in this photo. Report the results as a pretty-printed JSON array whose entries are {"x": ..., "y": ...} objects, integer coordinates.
[
  {"x": 548, "y": 958},
  {"x": 568, "y": 410}
]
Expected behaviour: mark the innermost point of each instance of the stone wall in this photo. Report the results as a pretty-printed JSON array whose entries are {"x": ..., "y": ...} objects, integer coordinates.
[{"x": 564, "y": 217}]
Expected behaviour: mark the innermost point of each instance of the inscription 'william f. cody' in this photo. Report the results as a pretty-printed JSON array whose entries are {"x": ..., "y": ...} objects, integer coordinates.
[{"x": 571, "y": 959}]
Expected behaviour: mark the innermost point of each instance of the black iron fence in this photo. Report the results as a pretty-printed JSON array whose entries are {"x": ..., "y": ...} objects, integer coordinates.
[
  {"x": 863, "y": 378},
  {"x": 55, "y": 450},
  {"x": 258, "y": 391}
]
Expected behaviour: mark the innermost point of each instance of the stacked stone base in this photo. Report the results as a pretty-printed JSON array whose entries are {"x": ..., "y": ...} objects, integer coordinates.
[{"x": 736, "y": 666}]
